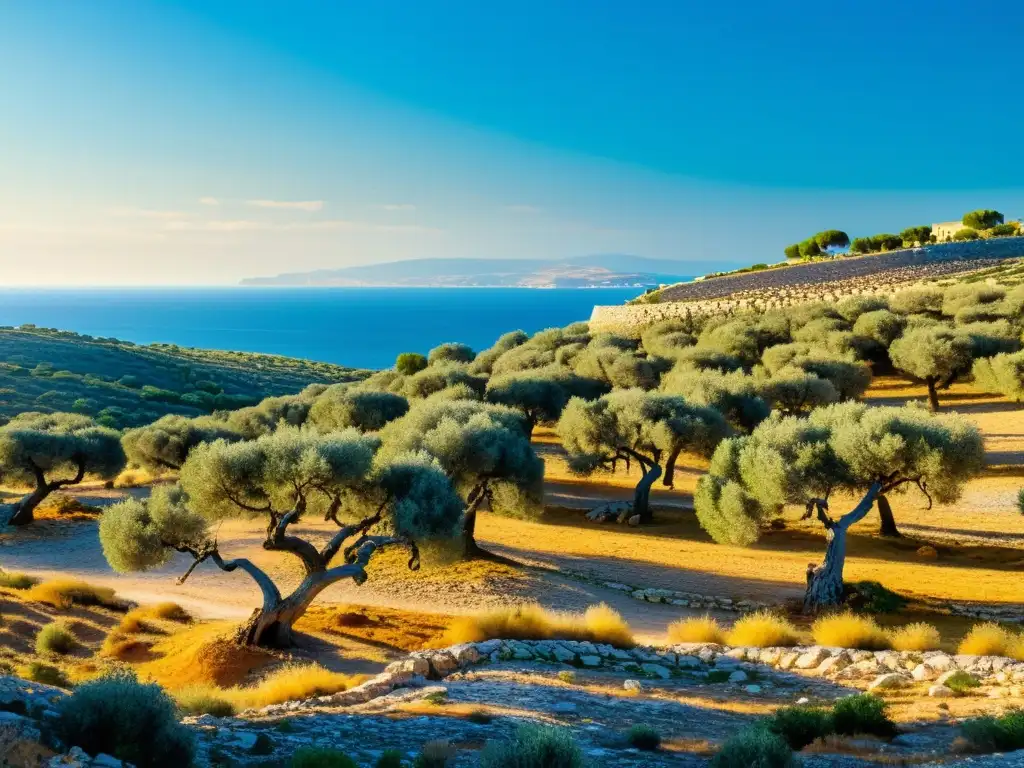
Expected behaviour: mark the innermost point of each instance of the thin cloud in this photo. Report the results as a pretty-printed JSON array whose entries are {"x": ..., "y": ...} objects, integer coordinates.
[
  {"x": 336, "y": 225},
  {"x": 209, "y": 201},
  {"x": 290, "y": 205},
  {"x": 399, "y": 207},
  {"x": 145, "y": 213}
]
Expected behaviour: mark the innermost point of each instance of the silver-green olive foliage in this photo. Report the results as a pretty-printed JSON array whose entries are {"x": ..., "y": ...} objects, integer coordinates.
[
  {"x": 1003, "y": 373},
  {"x": 962, "y": 295},
  {"x": 792, "y": 390},
  {"x": 917, "y": 301},
  {"x": 440, "y": 376},
  {"x": 484, "y": 361},
  {"x": 848, "y": 376},
  {"x": 541, "y": 394},
  {"x": 268, "y": 415},
  {"x": 846, "y": 447},
  {"x": 47, "y": 451},
  {"x": 667, "y": 337},
  {"x": 480, "y": 446},
  {"x": 165, "y": 444},
  {"x": 542, "y": 349},
  {"x": 734, "y": 394},
  {"x": 451, "y": 352},
  {"x": 341, "y": 406},
  {"x": 881, "y": 326}
]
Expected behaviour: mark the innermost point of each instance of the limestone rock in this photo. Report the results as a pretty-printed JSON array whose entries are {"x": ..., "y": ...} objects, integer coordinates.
[
  {"x": 940, "y": 692},
  {"x": 888, "y": 681},
  {"x": 811, "y": 658}
]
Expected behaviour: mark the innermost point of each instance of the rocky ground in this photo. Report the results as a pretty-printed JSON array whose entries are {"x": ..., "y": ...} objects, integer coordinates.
[{"x": 694, "y": 695}]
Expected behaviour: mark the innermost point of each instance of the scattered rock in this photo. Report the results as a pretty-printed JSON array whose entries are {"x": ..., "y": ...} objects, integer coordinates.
[
  {"x": 928, "y": 552},
  {"x": 632, "y": 685},
  {"x": 888, "y": 681},
  {"x": 940, "y": 692}
]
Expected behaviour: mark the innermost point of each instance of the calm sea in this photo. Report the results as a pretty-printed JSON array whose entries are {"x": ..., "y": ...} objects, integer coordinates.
[{"x": 359, "y": 327}]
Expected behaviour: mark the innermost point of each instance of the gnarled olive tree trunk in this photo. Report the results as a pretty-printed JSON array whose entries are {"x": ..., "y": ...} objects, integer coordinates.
[
  {"x": 887, "y": 526},
  {"x": 25, "y": 507},
  {"x": 825, "y": 582},
  {"x": 271, "y": 624},
  {"x": 670, "y": 468},
  {"x": 642, "y": 495}
]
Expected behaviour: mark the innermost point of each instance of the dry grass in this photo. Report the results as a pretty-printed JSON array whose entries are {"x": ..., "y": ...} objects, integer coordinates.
[
  {"x": 64, "y": 593},
  {"x": 919, "y": 636},
  {"x": 293, "y": 682},
  {"x": 763, "y": 629},
  {"x": 599, "y": 624},
  {"x": 10, "y": 580},
  {"x": 703, "y": 629},
  {"x": 137, "y": 619},
  {"x": 55, "y": 638},
  {"x": 125, "y": 648},
  {"x": 848, "y": 630},
  {"x": 990, "y": 639}
]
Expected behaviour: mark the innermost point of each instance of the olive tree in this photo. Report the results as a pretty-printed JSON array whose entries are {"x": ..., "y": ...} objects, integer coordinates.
[
  {"x": 792, "y": 251},
  {"x": 450, "y": 352},
  {"x": 541, "y": 394},
  {"x": 408, "y": 363},
  {"x": 485, "y": 451},
  {"x": 269, "y": 414},
  {"x": 1002, "y": 373},
  {"x": 441, "y": 376},
  {"x": 850, "y": 378},
  {"x": 792, "y": 391},
  {"x": 483, "y": 363},
  {"x": 48, "y": 451},
  {"x": 934, "y": 354},
  {"x": 279, "y": 479},
  {"x": 918, "y": 301},
  {"x": 848, "y": 448},
  {"x": 165, "y": 444},
  {"x": 634, "y": 425},
  {"x": 341, "y": 406}
]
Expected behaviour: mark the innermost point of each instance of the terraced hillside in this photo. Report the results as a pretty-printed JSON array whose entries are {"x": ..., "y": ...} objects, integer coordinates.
[
  {"x": 894, "y": 267},
  {"x": 123, "y": 384}
]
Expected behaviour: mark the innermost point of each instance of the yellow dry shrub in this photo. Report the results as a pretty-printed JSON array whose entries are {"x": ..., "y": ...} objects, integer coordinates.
[
  {"x": 989, "y": 639},
  {"x": 63, "y": 593},
  {"x": 763, "y": 629},
  {"x": 918, "y": 636},
  {"x": 529, "y": 621},
  {"x": 703, "y": 629},
  {"x": 169, "y": 612},
  {"x": 848, "y": 630},
  {"x": 134, "y": 621},
  {"x": 122, "y": 647}
]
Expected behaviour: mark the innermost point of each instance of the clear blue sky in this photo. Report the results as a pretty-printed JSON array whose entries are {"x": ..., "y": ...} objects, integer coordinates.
[{"x": 201, "y": 142}]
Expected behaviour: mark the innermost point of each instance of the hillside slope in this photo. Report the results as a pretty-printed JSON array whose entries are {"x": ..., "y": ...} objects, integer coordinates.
[{"x": 124, "y": 384}]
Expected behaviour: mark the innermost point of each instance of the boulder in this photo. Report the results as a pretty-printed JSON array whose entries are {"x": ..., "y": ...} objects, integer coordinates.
[
  {"x": 940, "y": 692},
  {"x": 812, "y": 658},
  {"x": 889, "y": 681},
  {"x": 656, "y": 670},
  {"x": 632, "y": 685}
]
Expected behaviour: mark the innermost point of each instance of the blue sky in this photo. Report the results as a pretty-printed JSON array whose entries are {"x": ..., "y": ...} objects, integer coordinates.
[{"x": 202, "y": 142}]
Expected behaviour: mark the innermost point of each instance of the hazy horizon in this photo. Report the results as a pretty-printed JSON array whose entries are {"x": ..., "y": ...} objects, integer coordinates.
[{"x": 195, "y": 143}]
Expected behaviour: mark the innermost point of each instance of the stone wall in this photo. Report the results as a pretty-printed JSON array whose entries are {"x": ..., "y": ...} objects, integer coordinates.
[{"x": 818, "y": 281}]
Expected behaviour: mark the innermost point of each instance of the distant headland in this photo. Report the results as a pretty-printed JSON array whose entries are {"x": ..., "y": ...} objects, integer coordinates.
[{"x": 595, "y": 271}]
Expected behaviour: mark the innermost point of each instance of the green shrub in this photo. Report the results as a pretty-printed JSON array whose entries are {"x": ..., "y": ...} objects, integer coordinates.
[
  {"x": 534, "y": 747},
  {"x": 392, "y": 758},
  {"x": 203, "y": 701},
  {"x": 133, "y": 721},
  {"x": 961, "y": 682},
  {"x": 862, "y": 713},
  {"x": 264, "y": 745},
  {"x": 55, "y": 638},
  {"x": 754, "y": 748},
  {"x": 568, "y": 676},
  {"x": 46, "y": 674},
  {"x": 996, "y": 734},
  {"x": 800, "y": 725},
  {"x": 644, "y": 737},
  {"x": 17, "y": 581},
  {"x": 321, "y": 757},
  {"x": 435, "y": 754},
  {"x": 872, "y": 597}
]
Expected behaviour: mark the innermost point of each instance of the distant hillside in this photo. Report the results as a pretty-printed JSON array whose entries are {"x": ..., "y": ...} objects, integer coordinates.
[
  {"x": 602, "y": 270},
  {"x": 125, "y": 384}
]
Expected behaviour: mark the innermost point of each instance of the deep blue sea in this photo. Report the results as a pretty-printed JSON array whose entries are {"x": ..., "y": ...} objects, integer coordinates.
[{"x": 359, "y": 327}]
